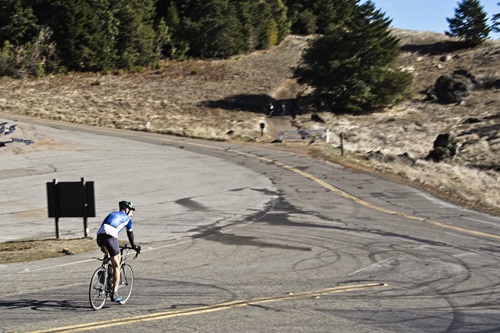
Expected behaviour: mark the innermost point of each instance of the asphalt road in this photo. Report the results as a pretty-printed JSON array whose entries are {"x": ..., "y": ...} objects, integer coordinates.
[{"x": 321, "y": 249}]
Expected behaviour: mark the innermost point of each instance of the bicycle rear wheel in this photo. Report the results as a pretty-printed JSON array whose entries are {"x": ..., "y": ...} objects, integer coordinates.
[
  {"x": 126, "y": 283},
  {"x": 97, "y": 289}
]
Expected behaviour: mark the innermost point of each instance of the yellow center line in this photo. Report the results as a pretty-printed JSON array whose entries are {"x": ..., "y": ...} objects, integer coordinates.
[
  {"x": 345, "y": 194},
  {"x": 308, "y": 176},
  {"x": 236, "y": 304},
  {"x": 209, "y": 308}
]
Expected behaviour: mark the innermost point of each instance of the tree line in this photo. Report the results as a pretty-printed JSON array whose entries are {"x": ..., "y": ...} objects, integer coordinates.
[
  {"x": 350, "y": 64},
  {"x": 38, "y": 36}
]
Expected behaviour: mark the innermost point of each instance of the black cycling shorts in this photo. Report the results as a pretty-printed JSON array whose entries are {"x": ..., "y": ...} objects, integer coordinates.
[{"x": 108, "y": 244}]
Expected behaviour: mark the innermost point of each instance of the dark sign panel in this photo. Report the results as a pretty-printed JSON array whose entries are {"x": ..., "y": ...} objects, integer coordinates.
[{"x": 71, "y": 199}]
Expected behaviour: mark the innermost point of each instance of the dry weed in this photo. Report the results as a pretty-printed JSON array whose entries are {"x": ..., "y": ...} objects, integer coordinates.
[
  {"x": 29, "y": 250},
  {"x": 225, "y": 100}
]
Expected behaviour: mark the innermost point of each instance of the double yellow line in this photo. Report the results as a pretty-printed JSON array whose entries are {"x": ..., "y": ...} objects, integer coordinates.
[
  {"x": 209, "y": 308},
  {"x": 349, "y": 196}
]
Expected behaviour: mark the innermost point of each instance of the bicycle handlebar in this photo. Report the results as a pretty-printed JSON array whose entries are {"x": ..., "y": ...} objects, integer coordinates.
[{"x": 126, "y": 247}]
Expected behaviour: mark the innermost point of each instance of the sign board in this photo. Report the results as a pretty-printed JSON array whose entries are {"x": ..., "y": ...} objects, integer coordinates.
[{"x": 71, "y": 199}]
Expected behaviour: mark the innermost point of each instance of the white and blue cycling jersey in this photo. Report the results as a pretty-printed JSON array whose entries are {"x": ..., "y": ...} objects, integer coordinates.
[{"x": 114, "y": 223}]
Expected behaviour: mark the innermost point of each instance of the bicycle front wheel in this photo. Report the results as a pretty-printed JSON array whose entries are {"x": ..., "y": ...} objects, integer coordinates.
[
  {"x": 126, "y": 282},
  {"x": 97, "y": 289}
]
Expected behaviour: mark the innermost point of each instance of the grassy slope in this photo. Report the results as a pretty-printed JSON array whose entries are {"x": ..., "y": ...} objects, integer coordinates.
[{"x": 209, "y": 99}]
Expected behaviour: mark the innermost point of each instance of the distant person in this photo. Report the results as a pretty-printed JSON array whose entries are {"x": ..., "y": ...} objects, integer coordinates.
[
  {"x": 107, "y": 239},
  {"x": 271, "y": 109}
]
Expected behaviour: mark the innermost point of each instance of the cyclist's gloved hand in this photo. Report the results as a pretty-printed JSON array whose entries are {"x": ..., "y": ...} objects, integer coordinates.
[{"x": 137, "y": 248}]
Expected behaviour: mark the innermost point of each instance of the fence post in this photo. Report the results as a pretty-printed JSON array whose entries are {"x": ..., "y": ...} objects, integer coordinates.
[{"x": 342, "y": 144}]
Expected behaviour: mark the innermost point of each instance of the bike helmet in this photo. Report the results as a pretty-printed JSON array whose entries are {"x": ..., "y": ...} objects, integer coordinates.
[{"x": 126, "y": 204}]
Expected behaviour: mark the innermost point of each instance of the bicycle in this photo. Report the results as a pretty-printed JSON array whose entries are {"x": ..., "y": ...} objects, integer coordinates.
[{"x": 101, "y": 283}]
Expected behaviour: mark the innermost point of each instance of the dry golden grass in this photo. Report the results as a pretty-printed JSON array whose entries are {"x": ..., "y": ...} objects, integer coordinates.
[
  {"x": 210, "y": 99},
  {"x": 28, "y": 250}
]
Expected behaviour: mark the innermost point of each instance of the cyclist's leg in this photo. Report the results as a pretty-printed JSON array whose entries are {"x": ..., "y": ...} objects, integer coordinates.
[{"x": 115, "y": 261}]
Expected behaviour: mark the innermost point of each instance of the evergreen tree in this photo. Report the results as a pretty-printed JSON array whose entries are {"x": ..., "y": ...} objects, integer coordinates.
[
  {"x": 176, "y": 45},
  {"x": 83, "y": 30},
  {"x": 280, "y": 16},
  {"x": 469, "y": 23},
  {"x": 163, "y": 38},
  {"x": 18, "y": 24},
  {"x": 201, "y": 28},
  {"x": 136, "y": 39},
  {"x": 102, "y": 32},
  {"x": 302, "y": 18},
  {"x": 254, "y": 17},
  {"x": 306, "y": 23},
  {"x": 24, "y": 45},
  {"x": 496, "y": 21},
  {"x": 265, "y": 27},
  {"x": 217, "y": 33},
  {"x": 352, "y": 67},
  {"x": 332, "y": 14},
  {"x": 319, "y": 16},
  {"x": 222, "y": 27}
]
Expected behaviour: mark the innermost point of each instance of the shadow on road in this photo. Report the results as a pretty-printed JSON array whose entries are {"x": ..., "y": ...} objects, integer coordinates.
[{"x": 43, "y": 305}]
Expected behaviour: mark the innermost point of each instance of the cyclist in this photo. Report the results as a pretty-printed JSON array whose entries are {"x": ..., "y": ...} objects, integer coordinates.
[{"x": 107, "y": 239}]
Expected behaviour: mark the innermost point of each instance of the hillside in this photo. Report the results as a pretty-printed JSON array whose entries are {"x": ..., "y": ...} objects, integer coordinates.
[{"x": 226, "y": 100}]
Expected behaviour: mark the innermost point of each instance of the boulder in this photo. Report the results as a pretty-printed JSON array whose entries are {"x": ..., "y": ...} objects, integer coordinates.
[
  {"x": 455, "y": 87},
  {"x": 445, "y": 147}
]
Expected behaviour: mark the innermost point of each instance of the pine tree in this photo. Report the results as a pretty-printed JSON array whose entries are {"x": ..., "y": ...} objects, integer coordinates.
[
  {"x": 217, "y": 33},
  {"x": 352, "y": 67},
  {"x": 496, "y": 21},
  {"x": 280, "y": 16},
  {"x": 318, "y": 16},
  {"x": 331, "y": 14},
  {"x": 84, "y": 32},
  {"x": 260, "y": 29},
  {"x": 176, "y": 46},
  {"x": 136, "y": 40},
  {"x": 23, "y": 42},
  {"x": 302, "y": 18},
  {"x": 18, "y": 24},
  {"x": 267, "y": 27},
  {"x": 470, "y": 23}
]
